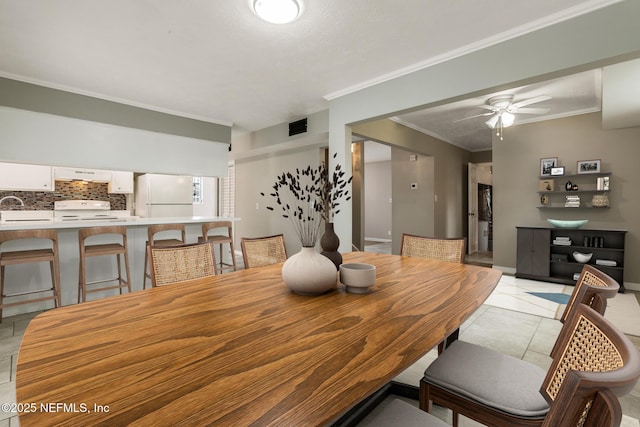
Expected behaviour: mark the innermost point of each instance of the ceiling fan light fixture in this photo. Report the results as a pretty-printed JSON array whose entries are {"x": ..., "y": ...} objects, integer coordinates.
[
  {"x": 507, "y": 119},
  {"x": 277, "y": 11},
  {"x": 493, "y": 121}
]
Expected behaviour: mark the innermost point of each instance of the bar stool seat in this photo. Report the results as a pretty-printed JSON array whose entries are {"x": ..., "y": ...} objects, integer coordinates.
[
  {"x": 30, "y": 256},
  {"x": 152, "y": 230},
  {"x": 220, "y": 239},
  {"x": 120, "y": 250}
]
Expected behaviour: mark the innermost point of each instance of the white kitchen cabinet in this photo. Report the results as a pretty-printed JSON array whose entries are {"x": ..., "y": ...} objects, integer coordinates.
[
  {"x": 121, "y": 182},
  {"x": 23, "y": 177}
]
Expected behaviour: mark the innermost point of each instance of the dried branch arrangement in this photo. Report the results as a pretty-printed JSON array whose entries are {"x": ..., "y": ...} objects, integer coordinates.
[{"x": 308, "y": 196}]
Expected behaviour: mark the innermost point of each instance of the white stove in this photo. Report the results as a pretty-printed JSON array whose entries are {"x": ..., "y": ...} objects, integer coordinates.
[{"x": 83, "y": 210}]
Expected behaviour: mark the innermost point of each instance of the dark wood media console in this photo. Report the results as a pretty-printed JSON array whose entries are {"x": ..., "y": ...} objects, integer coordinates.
[{"x": 539, "y": 258}]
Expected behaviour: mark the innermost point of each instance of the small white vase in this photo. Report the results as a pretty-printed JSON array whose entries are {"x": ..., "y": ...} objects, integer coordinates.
[{"x": 309, "y": 272}]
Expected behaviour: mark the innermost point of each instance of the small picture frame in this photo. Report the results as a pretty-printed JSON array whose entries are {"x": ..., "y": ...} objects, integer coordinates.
[
  {"x": 547, "y": 164},
  {"x": 588, "y": 166},
  {"x": 557, "y": 171}
]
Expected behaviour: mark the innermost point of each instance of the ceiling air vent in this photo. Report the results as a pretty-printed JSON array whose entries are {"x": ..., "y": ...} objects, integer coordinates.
[{"x": 298, "y": 127}]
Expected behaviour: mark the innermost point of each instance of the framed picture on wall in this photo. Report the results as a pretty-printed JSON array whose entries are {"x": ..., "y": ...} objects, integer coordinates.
[
  {"x": 588, "y": 166},
  {"x": 557, "y": 171},
  {"x": 547, "y": 164}
]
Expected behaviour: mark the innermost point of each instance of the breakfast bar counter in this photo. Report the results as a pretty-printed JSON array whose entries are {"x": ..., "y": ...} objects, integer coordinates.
[{"x": 29, "y": 277}]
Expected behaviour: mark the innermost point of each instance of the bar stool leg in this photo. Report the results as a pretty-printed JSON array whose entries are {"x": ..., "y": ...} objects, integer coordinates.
[
  {"x": 126, "y": 268},
  {"x": 82, "y": 297},
  {"x": 146, "y": 262},
  {"x": 54, "y": 282},
  {"x": 233, "y": 255},
  {"x": 120, "y": 281}
]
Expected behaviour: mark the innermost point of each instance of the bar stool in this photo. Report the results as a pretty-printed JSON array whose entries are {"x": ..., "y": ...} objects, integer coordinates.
[
  {"x": 152, "y": 230},
  {"x": 30, "y": 256},
  {"x": 220, "y": 239},
  {"x": 117, "y": 249}
]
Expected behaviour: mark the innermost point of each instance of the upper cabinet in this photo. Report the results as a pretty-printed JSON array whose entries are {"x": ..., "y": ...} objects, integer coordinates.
[
  {"x": 121, "y": 182},
  {"x": 22, "y": 177}
]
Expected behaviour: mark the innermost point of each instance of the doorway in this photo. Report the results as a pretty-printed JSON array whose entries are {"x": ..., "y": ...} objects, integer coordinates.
[{"x": 480, "y": 248}]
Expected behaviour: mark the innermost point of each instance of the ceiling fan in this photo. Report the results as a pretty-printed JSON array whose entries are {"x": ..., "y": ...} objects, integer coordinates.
[{"x": 503, "y": 110}]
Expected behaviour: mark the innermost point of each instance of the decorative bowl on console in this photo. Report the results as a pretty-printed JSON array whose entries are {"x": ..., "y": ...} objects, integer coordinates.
[
  {"x": 561, "y": 223},
  {"x": 581, "y": 258}
]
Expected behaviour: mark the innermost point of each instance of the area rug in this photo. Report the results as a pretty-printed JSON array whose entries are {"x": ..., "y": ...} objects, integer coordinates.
[{"x": 558, "y": 298}]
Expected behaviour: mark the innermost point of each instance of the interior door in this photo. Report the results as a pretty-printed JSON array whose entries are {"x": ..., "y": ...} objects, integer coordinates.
[{"x": 473, "y": 209}]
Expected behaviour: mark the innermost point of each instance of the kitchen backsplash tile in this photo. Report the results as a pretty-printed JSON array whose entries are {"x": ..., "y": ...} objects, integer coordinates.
[{"x": 73, "y": 190}]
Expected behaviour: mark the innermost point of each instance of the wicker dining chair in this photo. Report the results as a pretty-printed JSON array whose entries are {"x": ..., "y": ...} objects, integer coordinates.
[
  {"x": 451, "y": 250},
  {"x": 177, "y": 230},
  {"x": 261, "y": 251},
  {"x": 172, "y": 264},
  {"x": 593, "y": 288},
  {"x": 595, "y": 363}
]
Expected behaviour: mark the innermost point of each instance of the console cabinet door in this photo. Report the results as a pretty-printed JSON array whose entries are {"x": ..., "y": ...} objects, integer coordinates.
[{"x": 534, "y": 252}]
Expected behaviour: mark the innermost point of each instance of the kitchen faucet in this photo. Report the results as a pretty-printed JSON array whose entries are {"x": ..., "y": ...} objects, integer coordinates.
[{"x": 12, "y": 197}]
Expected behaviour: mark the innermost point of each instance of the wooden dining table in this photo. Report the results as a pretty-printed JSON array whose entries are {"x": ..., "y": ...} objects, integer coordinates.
[{"x": 240, "y": 348}]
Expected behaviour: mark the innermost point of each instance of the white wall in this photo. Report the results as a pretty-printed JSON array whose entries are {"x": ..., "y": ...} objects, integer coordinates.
[
  {"x": 257, "y": 175},
  {"x": 377, "y": 201}
]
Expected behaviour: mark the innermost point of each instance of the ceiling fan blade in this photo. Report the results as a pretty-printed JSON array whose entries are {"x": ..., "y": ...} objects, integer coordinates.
[
  {"x": 530, "y": 101},
  {"x": 531, "y": 111},
  {"x": 472, "y": 117},
  {"x": 489, "y": 107}
]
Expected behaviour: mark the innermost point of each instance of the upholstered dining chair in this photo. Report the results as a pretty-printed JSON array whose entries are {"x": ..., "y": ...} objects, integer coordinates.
[
  {"x": 261, "y": 251},
  {"x": 595, "y": 363},
  {"x": 451, "y": 250},
  {"x": 172, "y": 264}
]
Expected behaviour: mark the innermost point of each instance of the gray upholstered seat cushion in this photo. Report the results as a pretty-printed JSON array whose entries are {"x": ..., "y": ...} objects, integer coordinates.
[
  {"x": 392, "y": 412},
  {"x": 491, "y": 378}
]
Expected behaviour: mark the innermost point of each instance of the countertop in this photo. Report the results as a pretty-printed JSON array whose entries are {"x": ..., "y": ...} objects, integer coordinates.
[{"x": 126, "y": 221}]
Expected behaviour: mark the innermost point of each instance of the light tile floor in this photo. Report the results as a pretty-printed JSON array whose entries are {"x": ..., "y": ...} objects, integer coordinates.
[{"x": 528, "y": 335}]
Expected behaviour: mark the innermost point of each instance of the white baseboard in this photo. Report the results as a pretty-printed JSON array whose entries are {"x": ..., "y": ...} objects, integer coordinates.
[
  {"x": 506, "y": 270},
  {"x": 375, "y": 239}
]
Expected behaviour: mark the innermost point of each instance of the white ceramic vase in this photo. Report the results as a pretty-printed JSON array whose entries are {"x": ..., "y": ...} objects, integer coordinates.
[{"x": 309, "y": 272}]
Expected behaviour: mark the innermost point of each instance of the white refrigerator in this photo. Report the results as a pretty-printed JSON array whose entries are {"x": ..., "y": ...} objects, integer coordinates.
[{"x": 164, "y": 196}]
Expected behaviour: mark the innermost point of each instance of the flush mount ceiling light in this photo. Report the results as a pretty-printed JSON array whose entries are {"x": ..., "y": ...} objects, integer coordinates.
[{"x": 277, "y": 11}]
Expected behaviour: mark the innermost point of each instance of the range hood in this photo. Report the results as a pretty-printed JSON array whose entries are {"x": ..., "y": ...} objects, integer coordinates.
[{"x": 76, "y": 174}]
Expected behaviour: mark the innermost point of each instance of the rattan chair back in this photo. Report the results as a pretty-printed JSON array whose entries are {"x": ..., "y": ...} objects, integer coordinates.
[
  {"x": 451, "y": 250},
  {"x": 594, "y": 356},
  {"x": 261, "y": 251},
  {"x": 593, "y": 288},
  {"x": 172, "y": 264}
]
